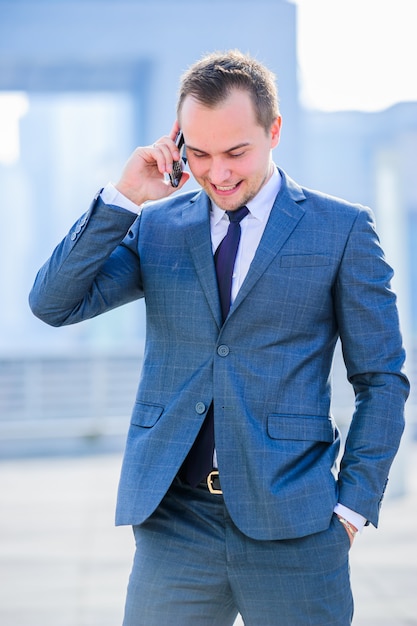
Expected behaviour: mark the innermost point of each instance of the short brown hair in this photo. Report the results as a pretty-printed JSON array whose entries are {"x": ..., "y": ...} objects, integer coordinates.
[{"x": 211, "y": 80}]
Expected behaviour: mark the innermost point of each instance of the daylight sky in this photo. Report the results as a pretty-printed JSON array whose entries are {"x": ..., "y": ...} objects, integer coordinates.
[{"x": 357, "y": 54}]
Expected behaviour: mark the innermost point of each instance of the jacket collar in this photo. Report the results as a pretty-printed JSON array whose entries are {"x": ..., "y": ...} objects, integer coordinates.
[{"x": 286, "y": 212}]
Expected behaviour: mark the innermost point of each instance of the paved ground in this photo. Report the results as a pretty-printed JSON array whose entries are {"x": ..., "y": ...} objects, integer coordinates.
[{"x": 62, "y": 562}]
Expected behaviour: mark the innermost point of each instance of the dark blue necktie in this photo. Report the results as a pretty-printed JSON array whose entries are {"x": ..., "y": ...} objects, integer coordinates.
[
  {"x": 225, "y": 257},
  {"x": 199, "y": 461}
]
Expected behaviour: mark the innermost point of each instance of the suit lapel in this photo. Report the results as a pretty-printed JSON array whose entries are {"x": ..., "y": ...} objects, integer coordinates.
[
  {"x": 284, "y": 217},
  {"x": 196, "y": 220}
]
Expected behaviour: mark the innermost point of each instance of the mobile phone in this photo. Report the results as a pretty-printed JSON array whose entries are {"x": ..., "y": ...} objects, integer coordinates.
[{"x": 177, "y": 166}]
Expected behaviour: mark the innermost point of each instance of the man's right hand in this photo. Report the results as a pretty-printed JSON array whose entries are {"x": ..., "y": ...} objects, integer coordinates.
[{"x": 143, "y": 177}]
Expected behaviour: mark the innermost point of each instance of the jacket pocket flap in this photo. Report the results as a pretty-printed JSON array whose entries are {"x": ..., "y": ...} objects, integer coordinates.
[
  {"x": 146, "y": 415},
  {"x": 301, "y": 427}
]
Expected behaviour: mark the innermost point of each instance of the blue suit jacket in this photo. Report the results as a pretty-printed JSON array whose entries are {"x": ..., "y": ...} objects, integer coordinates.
[{"x": 319, "y": 273}]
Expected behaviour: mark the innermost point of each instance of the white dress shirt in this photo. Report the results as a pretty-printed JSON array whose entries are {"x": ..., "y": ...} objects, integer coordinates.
[{"x": 252, "y": 228}]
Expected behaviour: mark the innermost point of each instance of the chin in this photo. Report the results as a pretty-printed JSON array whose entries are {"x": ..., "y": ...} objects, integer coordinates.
[{"x": 229, "y": 203}]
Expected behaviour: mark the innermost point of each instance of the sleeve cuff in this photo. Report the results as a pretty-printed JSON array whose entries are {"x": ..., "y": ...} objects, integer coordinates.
[
  {"x": 110, "y": 195},
  {"x": 354, "y": 518}
]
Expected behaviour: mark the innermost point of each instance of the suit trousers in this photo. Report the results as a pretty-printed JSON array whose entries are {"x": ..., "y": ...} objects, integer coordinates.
[{"x": 194, "y": 567}]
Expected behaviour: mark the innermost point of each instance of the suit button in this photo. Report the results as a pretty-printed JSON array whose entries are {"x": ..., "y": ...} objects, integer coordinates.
[
  {"x": 200, "y": 407},
  {"x": 223, "y": 350},
  {"x": 73, "y": 236}
]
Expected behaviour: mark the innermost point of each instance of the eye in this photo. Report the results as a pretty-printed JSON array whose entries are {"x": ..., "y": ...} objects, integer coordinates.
[{"x": 199, "y": 155}]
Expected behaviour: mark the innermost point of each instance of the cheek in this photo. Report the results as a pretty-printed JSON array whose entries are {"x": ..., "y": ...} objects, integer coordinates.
[
  {"x": 197, "y": 168},
  {"x": 250, "y": 168}
]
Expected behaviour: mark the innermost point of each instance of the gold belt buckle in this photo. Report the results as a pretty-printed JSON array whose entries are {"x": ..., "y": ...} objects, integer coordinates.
[{"x": 214, "y": 474}]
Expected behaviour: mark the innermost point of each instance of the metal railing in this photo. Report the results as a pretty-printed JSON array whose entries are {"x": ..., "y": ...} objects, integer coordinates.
[{"x": 57, "y": 397}]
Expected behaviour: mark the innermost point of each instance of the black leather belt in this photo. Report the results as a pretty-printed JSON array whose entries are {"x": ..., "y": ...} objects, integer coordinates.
[{"x": 212, "y": 483}]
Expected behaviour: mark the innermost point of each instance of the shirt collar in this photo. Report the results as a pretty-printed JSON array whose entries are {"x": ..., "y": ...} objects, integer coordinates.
[{"x": 260, "y": 206}]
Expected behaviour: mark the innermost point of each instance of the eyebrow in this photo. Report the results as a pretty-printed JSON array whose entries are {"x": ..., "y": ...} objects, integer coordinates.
[{"x": 237, "y": 147}]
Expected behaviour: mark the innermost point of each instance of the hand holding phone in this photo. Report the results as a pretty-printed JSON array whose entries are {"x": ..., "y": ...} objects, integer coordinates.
[
  {"x": 177, "y": 166},
  {"x": 144, "y": 176}
]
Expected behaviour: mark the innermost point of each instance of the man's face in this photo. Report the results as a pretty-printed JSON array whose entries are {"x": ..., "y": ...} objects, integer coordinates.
[{"x": 228, "y": 152}]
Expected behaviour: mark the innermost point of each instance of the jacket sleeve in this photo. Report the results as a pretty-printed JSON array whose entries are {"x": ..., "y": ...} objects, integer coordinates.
[
  {"x": 94, "y": 269},
  {"x": 374, "y": 356}
]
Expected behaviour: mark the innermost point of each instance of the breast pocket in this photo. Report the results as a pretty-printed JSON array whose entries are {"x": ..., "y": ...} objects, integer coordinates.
[{"x": 304, "y": 260}]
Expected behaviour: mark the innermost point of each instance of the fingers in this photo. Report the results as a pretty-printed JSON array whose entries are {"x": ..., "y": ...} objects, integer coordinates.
[
  {"x": 144, "y": 175},
  {"x": 184, "y": 178},
  {"x": 174, "y": 130},
  {"x": 162, "y": 155},
  {"x": 164, "y": 151}
]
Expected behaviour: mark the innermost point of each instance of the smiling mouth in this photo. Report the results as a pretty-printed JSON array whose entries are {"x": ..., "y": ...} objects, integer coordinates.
[{"x": 225, "y": 188}]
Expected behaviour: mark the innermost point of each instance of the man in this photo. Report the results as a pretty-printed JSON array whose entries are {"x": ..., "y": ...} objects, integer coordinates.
[{"x": 261, "y": 520}]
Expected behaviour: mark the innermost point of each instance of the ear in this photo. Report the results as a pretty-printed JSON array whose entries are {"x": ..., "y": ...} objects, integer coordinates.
[{"x": 275, "y": 131}]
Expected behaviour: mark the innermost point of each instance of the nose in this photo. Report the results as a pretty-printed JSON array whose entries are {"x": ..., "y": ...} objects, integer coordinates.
[{"x": 219, "y": 171}]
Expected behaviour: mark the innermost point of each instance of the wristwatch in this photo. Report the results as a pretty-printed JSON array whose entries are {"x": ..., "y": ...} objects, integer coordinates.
[{"x": 351, "y": 529}]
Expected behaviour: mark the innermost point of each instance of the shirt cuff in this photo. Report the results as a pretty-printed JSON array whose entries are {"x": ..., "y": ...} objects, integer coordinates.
[
  {"x": 354, "y": 518},
  {"x": 110, "y": 195}
]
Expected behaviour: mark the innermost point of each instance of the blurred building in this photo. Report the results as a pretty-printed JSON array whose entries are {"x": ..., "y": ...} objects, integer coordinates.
[
  {"x": 83, "y": 82},
  {"x": 370, "y": 158}
]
